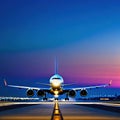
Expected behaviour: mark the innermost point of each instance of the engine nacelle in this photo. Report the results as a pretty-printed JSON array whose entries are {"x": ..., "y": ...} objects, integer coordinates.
[
  {"x": 40, "y": 93},
  {"x": 83, "y": 93},
  {"x": 30, "y": 93},
  {"x": 72, "y": 93}
]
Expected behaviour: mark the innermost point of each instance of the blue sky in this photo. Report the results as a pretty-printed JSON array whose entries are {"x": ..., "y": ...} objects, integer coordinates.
[
  {"x": 84, "y": 35},
  {"x": 35, "y": 25}
]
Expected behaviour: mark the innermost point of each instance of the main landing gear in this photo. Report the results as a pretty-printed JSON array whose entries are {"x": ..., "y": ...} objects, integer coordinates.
[
  {"x": 45, "y": 98},
  {"x": 67, "y": 99}
]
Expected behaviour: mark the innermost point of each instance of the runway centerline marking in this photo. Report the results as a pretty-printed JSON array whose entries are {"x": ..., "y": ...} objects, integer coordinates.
[{"x": 56, "y": 115}]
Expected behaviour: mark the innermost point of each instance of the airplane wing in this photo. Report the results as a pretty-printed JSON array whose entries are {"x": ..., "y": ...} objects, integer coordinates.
[
  {"x": 89, "y": 87},
  {"x": 24, "y": 87}
]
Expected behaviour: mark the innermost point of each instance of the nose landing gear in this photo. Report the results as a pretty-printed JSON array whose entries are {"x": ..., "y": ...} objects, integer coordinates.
[{"x": 56, "y": 98}]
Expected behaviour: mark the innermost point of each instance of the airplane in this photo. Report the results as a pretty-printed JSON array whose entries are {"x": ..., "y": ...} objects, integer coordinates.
[{"x": 56, "y": 87}]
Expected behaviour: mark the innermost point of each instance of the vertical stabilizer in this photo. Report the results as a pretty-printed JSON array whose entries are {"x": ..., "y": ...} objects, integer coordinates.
[{"x": 56, "y": 65}]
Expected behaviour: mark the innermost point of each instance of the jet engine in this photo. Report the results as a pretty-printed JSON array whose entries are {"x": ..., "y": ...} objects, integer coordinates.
[
  {"x": 40, "y": 93},
  {"x": 83, "y": 93},
  {"x": 72, "y": 93},
  {"x": 30, "y": 93}
]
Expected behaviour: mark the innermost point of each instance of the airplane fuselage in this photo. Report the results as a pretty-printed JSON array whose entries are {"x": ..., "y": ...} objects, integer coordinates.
[{"x": 56, "y": 82}]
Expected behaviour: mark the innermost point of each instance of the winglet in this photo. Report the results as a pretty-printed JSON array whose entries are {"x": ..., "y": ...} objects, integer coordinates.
[
  {"x": 5, "y": 82},
  {"x": 110, "y": 82}
]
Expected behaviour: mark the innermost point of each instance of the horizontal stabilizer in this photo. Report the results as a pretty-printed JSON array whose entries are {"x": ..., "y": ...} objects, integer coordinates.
[
  {"x": 68, "y": 84},
  {"x": 43, "y": 84}
]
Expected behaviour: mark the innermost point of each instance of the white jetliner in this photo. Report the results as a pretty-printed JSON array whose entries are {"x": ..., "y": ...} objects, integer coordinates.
[{"x": 56, "y": 88}]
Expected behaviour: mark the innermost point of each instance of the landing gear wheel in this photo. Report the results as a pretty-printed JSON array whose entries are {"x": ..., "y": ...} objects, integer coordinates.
[
  {"x": 66, "y": 99},
  {"x": 45, "y": 99},
  {"x": 56, "y": 98}
]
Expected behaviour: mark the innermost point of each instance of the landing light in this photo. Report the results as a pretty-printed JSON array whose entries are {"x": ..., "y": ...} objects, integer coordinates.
[
  {"x": 56, "y": 93},
  {"x": 56, "y": 83}
]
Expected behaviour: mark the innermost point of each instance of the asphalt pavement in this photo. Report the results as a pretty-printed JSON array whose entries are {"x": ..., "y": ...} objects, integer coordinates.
[{"x": 69, "y": 111}]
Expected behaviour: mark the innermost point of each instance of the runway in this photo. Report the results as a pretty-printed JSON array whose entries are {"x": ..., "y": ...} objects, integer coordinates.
[{"x": 69, "y": 111}]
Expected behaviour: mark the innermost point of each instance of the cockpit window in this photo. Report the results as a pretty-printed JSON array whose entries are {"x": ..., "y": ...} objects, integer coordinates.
[{"x": 56, "y": 78}]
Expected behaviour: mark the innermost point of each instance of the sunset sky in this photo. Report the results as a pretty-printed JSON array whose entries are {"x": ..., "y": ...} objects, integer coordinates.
[{"x": 83, "y": 34}]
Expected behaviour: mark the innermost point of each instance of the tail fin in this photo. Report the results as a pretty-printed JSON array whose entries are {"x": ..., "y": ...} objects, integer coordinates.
[{"x": 56, "y": 66}]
